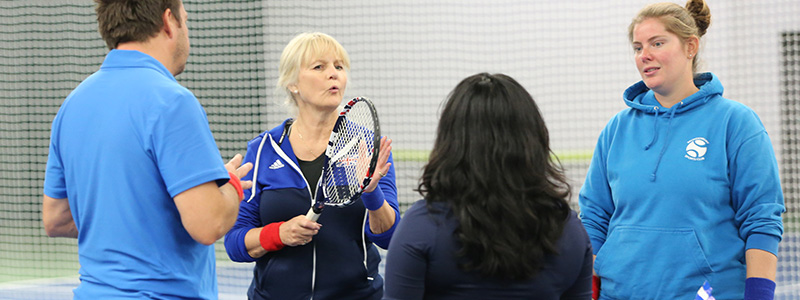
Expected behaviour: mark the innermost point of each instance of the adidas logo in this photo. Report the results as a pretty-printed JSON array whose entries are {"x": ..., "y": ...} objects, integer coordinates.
[{"x": 276, "y": 165}]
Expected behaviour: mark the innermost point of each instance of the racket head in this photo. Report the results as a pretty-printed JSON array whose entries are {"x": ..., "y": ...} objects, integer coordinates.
[{"x": 352, "y": 153}]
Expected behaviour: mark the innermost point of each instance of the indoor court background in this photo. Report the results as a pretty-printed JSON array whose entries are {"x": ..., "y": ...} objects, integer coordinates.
[{"x": 573, "y": 56}]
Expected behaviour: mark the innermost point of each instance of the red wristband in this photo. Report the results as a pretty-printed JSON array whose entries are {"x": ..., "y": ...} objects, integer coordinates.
[
  {"x": 270, "y": 237},
  {"x": 236, "y": 185},
  {"x": 595, "y": 287}
]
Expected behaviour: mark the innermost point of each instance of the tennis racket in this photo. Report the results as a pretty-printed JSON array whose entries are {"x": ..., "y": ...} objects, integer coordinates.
[{"x": 351, "y": 156}]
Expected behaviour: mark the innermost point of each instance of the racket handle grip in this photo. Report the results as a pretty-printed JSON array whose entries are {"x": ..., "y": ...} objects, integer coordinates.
[{"x": 311, "y": 215}]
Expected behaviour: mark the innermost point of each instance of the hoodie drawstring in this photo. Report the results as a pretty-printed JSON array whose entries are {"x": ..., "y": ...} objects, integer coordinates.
[
  {"x": 666, "y": 139},
  {"x": 655, "y": 130}
]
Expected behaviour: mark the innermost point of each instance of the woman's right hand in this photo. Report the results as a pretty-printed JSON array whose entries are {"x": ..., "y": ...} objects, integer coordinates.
[{"x": 298, "y": 231}]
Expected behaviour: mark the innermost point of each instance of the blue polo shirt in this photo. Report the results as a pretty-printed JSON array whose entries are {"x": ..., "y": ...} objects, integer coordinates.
[{"x": 123, "y": 144}]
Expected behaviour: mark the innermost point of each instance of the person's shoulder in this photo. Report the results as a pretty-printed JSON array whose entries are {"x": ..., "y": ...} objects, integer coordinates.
[
  {"x": 423, "y": 221},
  {"x": 256, "y": 141},
  {"x": 167, "y": 94},
  {"x": 740, "y": 118},
  {"x": 711, "y": 89},
  {"x": 574, "y": 236},
  {"x": 574, "y": 226},
  {"x": 721, "y": 102},
  {"x": 422, "y": 209},
  {"x": 734, "y": 107},
  {"x": 417, "y": 208},
  {"x": 623, "y": 115},
  {"x": 175, "y": 89},
  {"x": 275, "y": 132},
  {"x": 573, "y": 219}
]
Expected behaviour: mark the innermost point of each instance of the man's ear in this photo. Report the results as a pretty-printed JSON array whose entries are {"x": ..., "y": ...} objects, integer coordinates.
[{"x": 167, "y": 18}]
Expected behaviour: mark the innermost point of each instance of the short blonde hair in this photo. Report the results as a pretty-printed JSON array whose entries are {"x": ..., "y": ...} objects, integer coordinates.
[
  {"x": 685, "y": 22},
  {"x": 300, "y": 51}
]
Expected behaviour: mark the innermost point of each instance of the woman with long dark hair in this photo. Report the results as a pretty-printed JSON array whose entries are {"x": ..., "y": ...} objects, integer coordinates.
[{"x": 495, "y": 223}]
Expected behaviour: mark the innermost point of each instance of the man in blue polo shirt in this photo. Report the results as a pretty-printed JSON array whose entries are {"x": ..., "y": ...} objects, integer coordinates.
[{"x": 133, "y": 170}]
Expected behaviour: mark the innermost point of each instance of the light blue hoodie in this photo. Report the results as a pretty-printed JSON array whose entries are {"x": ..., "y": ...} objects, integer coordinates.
[{"x": 673, "y": 197}]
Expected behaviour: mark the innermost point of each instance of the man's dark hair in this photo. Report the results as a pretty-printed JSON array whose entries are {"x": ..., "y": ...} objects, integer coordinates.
[{"x": 121, "y": 21}]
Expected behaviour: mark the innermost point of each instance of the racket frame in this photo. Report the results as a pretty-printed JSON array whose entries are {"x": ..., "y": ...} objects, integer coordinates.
[{"x": 321, "y": 199}]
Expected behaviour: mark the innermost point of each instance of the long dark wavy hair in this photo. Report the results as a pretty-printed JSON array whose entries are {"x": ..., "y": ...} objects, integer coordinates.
[{"x": 491, "y": 162}]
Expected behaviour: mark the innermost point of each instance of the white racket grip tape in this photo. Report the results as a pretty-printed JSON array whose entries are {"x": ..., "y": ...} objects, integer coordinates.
[{"x": 311, "y": 215}]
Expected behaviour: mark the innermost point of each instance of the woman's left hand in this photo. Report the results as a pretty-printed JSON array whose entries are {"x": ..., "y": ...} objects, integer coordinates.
[{"x": 382, "y": 166}]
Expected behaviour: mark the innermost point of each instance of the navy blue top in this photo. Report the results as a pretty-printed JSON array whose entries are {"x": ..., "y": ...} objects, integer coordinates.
[{"x": 421, "y": 263}]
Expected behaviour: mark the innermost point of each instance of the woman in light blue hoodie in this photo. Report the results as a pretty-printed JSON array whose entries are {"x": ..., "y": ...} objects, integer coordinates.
[{"x": 683, "y": 186}]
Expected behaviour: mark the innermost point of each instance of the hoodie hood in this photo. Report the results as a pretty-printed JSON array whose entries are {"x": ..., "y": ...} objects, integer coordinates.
[{"x": 640, "y": 97}]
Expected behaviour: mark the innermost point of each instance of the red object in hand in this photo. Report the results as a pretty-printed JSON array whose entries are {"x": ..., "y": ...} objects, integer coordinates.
[{"x": 595, "y": 287}]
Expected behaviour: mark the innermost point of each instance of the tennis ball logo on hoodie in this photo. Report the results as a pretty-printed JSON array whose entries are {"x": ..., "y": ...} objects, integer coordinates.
[{"x": 696, "y": 149}]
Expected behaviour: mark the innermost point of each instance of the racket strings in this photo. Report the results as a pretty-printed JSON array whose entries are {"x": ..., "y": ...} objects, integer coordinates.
[{"x": 350, "y": 151}]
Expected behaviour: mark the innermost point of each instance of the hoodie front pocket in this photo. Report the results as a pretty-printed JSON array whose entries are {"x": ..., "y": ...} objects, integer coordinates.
[{"x": 651, "y": 263}]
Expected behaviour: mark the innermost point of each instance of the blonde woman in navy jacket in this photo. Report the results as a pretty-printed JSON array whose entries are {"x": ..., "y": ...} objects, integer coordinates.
[{"x": 297, "y": 258}]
